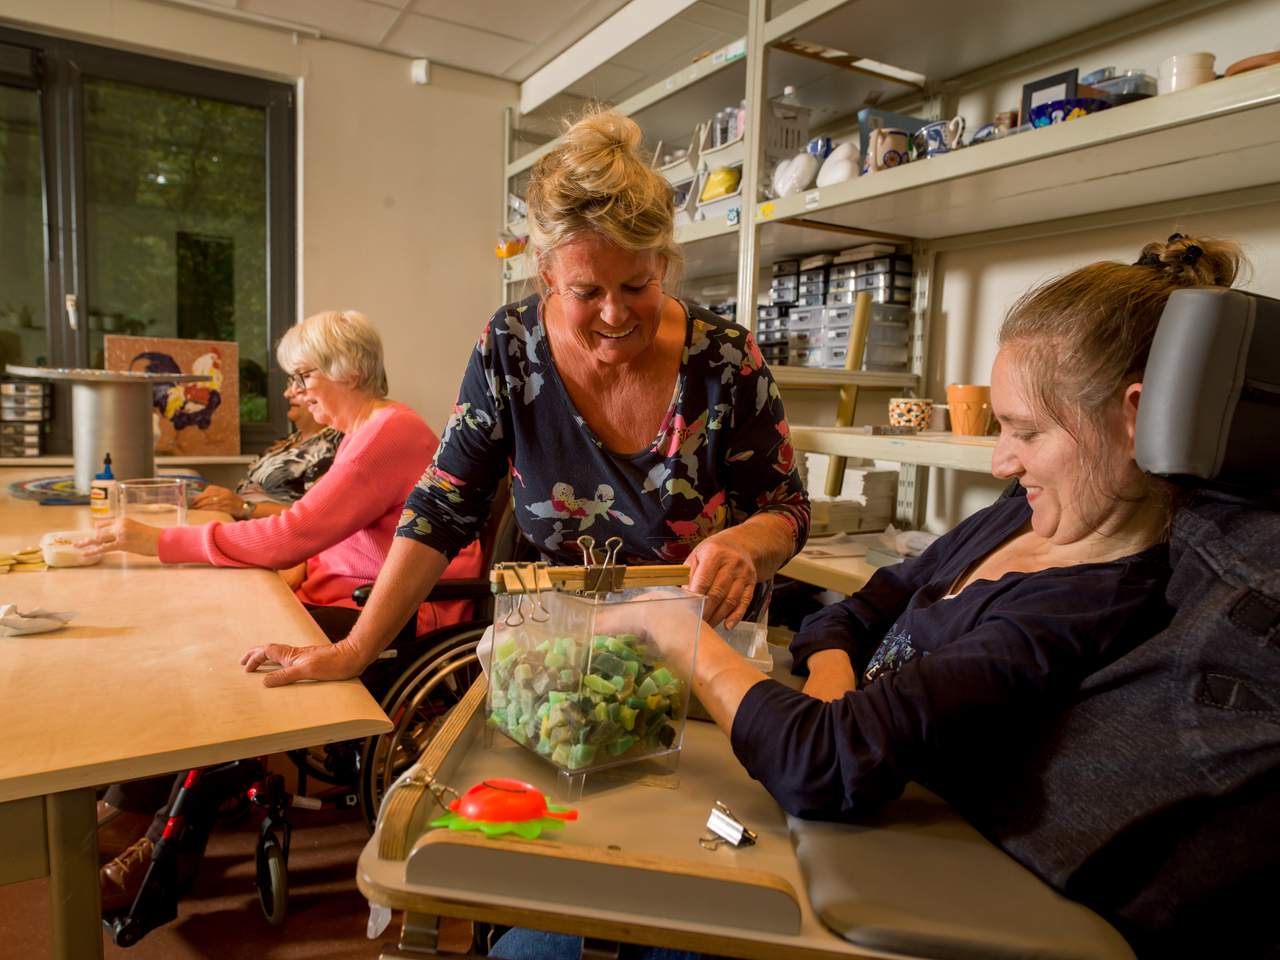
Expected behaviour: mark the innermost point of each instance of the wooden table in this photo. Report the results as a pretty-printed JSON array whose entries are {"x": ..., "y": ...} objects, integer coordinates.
[
  {"x": 637, "y": 837},
  {"x": 145, "y": 680}
]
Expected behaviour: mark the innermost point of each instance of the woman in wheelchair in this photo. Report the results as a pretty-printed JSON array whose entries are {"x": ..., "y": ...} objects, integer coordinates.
[
  {"x": 948, "y": 669},
  {"x": 336, "y": 535},
  {"x": 618, "y": 410}
]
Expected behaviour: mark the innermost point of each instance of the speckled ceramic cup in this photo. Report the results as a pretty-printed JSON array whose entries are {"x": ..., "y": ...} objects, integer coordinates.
[{"x": 914, "y": 412}]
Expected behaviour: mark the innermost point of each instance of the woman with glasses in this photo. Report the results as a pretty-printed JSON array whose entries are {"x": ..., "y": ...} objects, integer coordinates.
[
  {"x": 285, "y": 471},
  {"x": 341, "y": 529}
]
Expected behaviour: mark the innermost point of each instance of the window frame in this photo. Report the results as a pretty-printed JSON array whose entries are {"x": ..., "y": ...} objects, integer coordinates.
[{"x": 61, "y": 66}]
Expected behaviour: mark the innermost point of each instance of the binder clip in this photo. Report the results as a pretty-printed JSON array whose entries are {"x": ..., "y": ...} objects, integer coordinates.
[{"x": 726, "y": 828}]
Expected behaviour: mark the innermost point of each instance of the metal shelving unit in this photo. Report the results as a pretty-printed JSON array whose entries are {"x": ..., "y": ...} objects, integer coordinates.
[{"x": 1108, "y": 168}]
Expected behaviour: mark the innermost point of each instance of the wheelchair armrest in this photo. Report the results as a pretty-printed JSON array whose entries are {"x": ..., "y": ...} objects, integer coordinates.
[{"x": 461, "y": 588}]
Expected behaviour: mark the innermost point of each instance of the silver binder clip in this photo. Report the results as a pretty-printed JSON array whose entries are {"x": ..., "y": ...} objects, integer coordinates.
[{"x": 726, "y": 828}]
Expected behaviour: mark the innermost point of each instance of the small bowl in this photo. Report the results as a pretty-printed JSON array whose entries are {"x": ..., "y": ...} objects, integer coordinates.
[
  {"x": 1060, "y": 111},
  {"x": 59, "y": 549}
]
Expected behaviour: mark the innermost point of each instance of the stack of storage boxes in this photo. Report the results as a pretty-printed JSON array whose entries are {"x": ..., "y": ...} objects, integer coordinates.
[
  {"x": 887, "y": 279},
  {"x": 24, "y": 407},
  {"x": 771, "y": 333},
  {"x": 772, "y": 320}
]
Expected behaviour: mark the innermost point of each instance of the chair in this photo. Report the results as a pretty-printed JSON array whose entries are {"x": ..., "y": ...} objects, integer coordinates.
[
  {"x": 1157, "y": 788},
  {"x": 438, "y": 667}
]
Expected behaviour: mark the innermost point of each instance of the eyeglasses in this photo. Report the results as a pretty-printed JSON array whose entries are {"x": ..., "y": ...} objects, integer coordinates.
[{"x": 298, "y": 381}]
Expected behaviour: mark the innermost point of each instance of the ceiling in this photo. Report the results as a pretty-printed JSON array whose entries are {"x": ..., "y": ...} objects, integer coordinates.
[
  {"x": 511, "y": 39},
  {"x": 498, "y": 37}
]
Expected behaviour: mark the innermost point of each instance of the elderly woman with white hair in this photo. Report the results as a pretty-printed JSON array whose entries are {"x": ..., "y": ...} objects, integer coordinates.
[
  {"x": 334, "y": 360},
  {"x": 341, "y": 528}
]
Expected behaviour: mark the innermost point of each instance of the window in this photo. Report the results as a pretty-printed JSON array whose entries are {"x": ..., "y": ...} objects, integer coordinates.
[{"x": 158, "y": 195}]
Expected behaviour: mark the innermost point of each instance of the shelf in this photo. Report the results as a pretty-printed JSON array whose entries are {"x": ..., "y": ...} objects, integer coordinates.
[
  {"x": 1225, "y": 134},
  {"x": 929, "y": 450},
  {"x": 721, "y": 78},
  {"x": 958, "y": 39},
  {"x": 712, "y": 251},
  {"x": 842, "y": 574},
  {"x": 815, "y": 378}
]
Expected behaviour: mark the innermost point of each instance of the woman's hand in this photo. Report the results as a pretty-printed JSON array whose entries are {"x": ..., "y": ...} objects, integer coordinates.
[
  {"x": 214, "y": 497},
  {"x": 830, "y": 675},
  {"x": 339, "y": 661},
  {"x": 121, "y": 534},
  {"x": 723, "y": 569}
]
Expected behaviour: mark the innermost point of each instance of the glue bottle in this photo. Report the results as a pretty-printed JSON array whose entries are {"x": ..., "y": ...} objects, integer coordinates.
[{"x": 102, "y": 491}]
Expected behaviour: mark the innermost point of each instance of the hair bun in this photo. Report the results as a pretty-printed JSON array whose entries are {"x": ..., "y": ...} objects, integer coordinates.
[
  {"x": 1194, "y": 262},
  {"x": 597, "y": 180}
]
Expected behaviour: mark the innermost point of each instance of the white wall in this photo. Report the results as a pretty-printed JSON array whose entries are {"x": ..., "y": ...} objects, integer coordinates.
[{"x": 401, "y": 184}]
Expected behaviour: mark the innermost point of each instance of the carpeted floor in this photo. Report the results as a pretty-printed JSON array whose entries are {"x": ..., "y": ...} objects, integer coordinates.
[{"x": 221, "y": 918}]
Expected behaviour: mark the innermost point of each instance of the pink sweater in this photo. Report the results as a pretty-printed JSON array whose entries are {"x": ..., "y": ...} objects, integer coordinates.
[{"x": 342, "y": 527}]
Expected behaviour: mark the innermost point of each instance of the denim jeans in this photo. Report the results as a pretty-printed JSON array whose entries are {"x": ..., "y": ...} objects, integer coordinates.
[{"x": 520, "y": 944}]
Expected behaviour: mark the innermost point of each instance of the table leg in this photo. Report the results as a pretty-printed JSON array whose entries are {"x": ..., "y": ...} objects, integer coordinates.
[{"x": 75, "y": 907}]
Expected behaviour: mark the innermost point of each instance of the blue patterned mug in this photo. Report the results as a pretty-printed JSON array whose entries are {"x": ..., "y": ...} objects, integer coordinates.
[{"x": 941, "y": 136}]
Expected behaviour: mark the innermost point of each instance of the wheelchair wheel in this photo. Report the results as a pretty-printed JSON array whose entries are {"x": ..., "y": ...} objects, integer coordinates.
[
  {"x": 417, "y": 706},
  {"x": 273, "y": 880}
]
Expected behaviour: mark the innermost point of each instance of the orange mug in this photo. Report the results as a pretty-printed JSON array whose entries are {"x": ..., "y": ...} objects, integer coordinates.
[{"x": 970, "y": 408}]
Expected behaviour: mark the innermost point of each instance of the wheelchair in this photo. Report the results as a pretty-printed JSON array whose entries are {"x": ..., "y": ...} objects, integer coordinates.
[{"x": 441, "y": 666}]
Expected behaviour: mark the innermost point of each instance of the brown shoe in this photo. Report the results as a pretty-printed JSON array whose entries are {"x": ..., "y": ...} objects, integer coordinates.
[
  {"x": 118, "y": 830},
  {"x": 121, "y": 879}
]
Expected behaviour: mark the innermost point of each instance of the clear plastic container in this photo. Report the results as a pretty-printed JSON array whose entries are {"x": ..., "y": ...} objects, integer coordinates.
[
  {"x": 1127, "y": 87},
  {"x": 805, "y": 318},
  {"x": 811, "y": 356},
  {"x": 842, "y": 271},
  {"x": 814, "y": 275},
  {"x": 59, "y": 549},
  {"x": 580, "y": 682},
  {"x": 841, "y": 297},
  {"x": 894, "y": 264},
  {"x": 889, "y": 333},
  {"x": 875, "y": 281},
  {"x": 837, "y": 316},
  {"x": 837, "y": 285},
  {"x": 810, "y": 299}
]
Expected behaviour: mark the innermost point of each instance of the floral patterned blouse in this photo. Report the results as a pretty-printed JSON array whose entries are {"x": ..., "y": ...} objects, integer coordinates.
[
  {"x": 722, "y": 453},
  {"x": 290, "y": 467}
]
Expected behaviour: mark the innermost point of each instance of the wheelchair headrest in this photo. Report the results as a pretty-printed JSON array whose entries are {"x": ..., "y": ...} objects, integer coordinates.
[{"x": 1210, "y": 407}]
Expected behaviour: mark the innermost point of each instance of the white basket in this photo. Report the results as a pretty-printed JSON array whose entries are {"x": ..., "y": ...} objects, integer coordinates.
[{"x": 786, "y": 130}]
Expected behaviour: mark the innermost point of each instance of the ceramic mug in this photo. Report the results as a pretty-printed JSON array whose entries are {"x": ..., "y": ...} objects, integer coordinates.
[
  {"x": 970, "y": 407},
  {"x": 1185, "y": 70},
  {"x": 913, "y": 412},
  {"x": 886, "y": 148},
  {"x": 941, "y": 136}
]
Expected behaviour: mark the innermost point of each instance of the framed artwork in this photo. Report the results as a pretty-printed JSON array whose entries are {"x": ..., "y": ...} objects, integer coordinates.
[
  {"x": 1061, "y": 86},
  {"x": 190, "y": 419}
]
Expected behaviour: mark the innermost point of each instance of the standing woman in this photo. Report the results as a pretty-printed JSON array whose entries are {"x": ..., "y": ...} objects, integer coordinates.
[{"x": 618, "y": 409}]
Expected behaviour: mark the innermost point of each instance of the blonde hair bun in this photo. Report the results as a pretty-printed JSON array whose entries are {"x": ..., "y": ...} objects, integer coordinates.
[
  {"x": 597, "y": 181},
  {"x": 1194, "y": 261}
]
